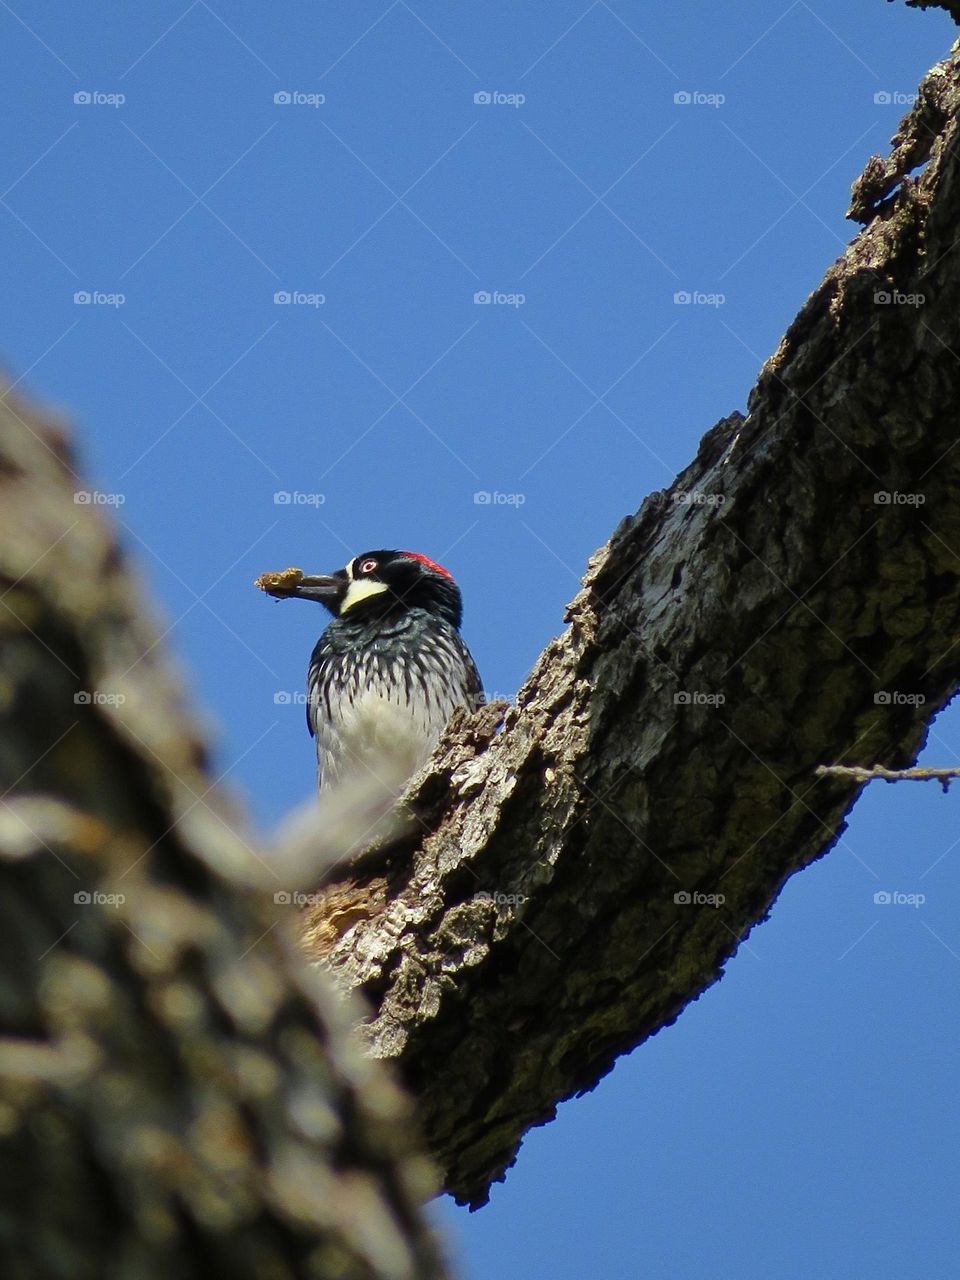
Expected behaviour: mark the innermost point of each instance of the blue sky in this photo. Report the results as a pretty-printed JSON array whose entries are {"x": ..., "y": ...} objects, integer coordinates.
[{"x": 800, "y": 1119}]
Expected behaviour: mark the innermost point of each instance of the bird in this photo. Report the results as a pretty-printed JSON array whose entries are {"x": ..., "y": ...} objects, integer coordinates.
[{"x": 390, "y": 669}]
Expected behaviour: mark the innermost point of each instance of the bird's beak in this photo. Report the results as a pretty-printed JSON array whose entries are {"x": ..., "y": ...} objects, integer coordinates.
[{"x": 322, "y": 587}]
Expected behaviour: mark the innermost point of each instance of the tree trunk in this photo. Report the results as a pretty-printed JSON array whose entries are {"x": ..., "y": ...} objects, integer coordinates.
[{"x": 171, "y": 1103}]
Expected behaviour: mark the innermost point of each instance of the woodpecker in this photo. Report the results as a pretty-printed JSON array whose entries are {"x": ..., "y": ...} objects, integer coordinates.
[{"x": 389, "y": 671}]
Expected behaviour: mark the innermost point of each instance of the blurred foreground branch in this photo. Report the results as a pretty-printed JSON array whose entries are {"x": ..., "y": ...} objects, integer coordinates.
[{"x": 177, "y": 1097}]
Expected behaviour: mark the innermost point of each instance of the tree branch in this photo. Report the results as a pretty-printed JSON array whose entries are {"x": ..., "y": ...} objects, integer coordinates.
[
  {"x": 857, "y": 773},
  {"x": 793, "y": 598},
  {"x": 951, "y": 6}
]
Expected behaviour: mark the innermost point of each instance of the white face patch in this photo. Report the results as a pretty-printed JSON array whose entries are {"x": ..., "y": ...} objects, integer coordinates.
[{"x": 361, "y": 589}]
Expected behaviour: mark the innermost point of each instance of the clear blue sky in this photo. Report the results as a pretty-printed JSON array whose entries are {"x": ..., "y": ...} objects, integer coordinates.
[{"x": 801, "y": 1119}]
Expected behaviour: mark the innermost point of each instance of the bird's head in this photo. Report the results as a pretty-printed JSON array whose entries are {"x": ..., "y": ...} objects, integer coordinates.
[{"x": 378, "y": 583}]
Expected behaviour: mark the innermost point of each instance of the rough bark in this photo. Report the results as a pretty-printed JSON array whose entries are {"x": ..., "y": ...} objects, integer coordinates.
[
  {"x": 169, "y": 1103},
  {"x": 177, "y": 1097},
  {"x": 768, "y": 614}
]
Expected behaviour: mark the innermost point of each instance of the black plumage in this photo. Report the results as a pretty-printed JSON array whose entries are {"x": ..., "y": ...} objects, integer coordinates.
[{"x": 389, "y": 670}]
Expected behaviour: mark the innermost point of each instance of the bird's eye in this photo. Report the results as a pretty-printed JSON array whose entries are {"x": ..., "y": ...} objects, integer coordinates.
[{"x": 368, "y": 566}]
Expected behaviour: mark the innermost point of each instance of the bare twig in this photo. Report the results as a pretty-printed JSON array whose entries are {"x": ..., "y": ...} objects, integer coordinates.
[{"x": 857, "y": 773}]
